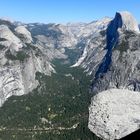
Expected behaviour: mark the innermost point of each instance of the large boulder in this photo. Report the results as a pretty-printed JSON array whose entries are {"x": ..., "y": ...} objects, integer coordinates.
[{"x": 114, "y": 113}]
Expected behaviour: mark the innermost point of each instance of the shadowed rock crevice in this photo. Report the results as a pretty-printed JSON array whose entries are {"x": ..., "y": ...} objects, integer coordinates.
[
  {"x": 112, "y": 39},
  {"x": 122, "y": 44}
]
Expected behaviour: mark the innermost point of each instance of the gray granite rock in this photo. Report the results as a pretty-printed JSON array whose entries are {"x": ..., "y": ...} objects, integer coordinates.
[{"x": 114, "y": 113}]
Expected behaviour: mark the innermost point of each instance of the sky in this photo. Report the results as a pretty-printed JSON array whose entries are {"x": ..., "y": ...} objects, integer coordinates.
[{"x": 63, "y": 11}]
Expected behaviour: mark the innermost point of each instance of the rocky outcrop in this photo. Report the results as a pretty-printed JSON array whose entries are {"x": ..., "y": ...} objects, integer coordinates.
[
  {"x": 11, "y": 82},
  {"x": 9, "y": 39},
  {"x": 110, "y": 54},
  {"x": 30, "y": 48},
  {"x": 126, "y": 21},
  {"x": 95, "y": 40},
  {"x": 119, "y": 67},
  {"x": 18, "y": 76},
  {"x": 112, "y": 57},
  {"x": 120, "y": 22},
  {"x": 19, "y": 62},
  {"x": 114, "y": 113},
  {"x": 24, "y": 34}
]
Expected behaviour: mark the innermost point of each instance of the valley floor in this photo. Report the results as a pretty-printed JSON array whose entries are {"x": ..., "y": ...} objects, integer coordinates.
[{"x": 56, "y": 110}]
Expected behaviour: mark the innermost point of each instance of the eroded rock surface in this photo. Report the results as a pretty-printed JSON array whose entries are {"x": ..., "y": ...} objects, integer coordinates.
[
  {"x": 24, "y": 34},
  {"x": 114, "y": 113}
]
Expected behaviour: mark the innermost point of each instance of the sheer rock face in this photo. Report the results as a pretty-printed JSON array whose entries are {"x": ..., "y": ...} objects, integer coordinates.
[
  {"x": 119, "y": 67},
  {"x": 11, "y": 82},
  {"x": 19, "y": 63},
  {"x": 29, "y": 48},
  {"x": 126, "y": 21},
  {"x": 114, "y": 113},
  {"x": 112, "y": 56},
  {"x": 111, "y": 53},
  {"x": 18, "y": 77}
]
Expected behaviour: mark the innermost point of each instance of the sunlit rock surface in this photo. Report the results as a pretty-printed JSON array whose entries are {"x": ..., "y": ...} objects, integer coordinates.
[
  {"x": 24, "y": 34},
  {"x": 9, "y": 39},
  {"x": 127, "y": 21},
  {"x": 114, "y": 113}
]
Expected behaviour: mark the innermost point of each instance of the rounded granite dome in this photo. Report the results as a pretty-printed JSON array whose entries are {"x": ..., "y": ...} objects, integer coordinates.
[
  {"x": 24, "y": 33},
  {"x": 127, "y": 21},
  {"x": 114, "y": 113}
]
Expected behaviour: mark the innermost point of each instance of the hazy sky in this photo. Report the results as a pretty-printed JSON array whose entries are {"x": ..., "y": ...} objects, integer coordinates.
[{"x": 62, "y": 11}]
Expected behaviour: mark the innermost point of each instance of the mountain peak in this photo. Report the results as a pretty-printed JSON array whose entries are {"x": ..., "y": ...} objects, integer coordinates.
[{"x": 126, "y": 21}]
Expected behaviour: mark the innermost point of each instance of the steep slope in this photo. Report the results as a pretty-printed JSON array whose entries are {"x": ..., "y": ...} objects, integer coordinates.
[
  {"x": 83, "y": 30},
  {"x": 119, "y": 66},
  {"x": 92, "y": 37},
  {"x": 36, "y": 58},
  {"x": 19, "y": 63},
  {"x": 112, "y": 57},
  {"x": 127, "y": 21},
  {"x": 42, "y": 94},
  {"x": 24, "y": 34},
  {"x": 56, "y": 109},
  {"x": 33, "y": 50}
]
